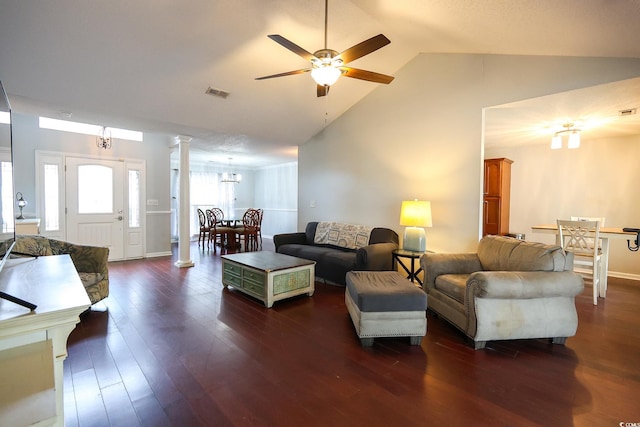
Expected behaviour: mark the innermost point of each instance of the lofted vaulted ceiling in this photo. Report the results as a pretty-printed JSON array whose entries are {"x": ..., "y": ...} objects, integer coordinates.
[{"x": 146, "y": 64}]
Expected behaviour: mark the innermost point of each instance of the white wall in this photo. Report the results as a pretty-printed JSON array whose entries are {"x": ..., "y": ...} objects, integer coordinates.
[
  {"x": 276, "y": 191},
  {"x": 245, "y": 192},
  {"x": 420, "y": 137},
  {"x": 599, "y": 179}
]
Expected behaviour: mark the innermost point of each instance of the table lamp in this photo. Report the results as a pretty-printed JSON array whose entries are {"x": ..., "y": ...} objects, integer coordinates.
[
  {"x": 21, "y": 204},
  {"x": 415, "y": 215}
]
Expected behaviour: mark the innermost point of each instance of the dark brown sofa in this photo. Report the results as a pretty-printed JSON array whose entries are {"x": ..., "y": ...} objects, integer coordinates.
[{"x": 334, "y": 261}]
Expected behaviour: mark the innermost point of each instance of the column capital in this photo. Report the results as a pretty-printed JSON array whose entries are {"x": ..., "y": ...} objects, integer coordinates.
[{"x": 183, "y": 138}]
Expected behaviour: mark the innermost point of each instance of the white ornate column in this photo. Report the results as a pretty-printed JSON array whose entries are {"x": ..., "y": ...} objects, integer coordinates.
[{"x": 184, "y": 239}]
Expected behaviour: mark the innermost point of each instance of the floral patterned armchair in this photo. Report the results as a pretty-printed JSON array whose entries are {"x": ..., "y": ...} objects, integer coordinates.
[{"x": 91, "y": 262}]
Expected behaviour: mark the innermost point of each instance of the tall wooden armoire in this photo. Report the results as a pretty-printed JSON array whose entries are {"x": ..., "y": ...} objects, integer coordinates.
[{"x": 496, "y": 197}]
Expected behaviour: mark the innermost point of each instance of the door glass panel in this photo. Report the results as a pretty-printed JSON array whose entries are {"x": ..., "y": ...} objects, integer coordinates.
[
  {"x": 134, "y": 198},
  {"x": 95, "y": 189},
  {"x": 51, "y": 198}
]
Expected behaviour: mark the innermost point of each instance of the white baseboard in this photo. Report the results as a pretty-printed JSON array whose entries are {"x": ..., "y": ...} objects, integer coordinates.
[
  {"x": 157, "y": 254},
  {"x": 624, "y": 275},
  {"x": 610, "y": 273}
]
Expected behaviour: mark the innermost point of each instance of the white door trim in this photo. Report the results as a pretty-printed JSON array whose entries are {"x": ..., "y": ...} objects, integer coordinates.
[{"x": 42, "y": 157}]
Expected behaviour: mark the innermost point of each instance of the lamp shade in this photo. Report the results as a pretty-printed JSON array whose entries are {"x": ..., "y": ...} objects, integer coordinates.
[
  {"x": 574, "y": 139},
  {"x": 416, "y": 213}
]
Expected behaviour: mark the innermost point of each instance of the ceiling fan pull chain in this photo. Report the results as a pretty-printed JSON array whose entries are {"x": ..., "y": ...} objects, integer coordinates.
[{"x": 326, "y": 109}]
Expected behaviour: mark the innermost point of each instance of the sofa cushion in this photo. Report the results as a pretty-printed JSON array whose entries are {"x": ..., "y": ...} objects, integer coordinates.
[
  {"x": 32, "y": 245},
  {"x": 378, "y": 234},
  {"x": 314, "y": 253},
  {"x": 498, "y": 253},
  {"x": 310, "y": 231},
  {"x": 348, "y": 236},
  {"x": 452, "y": 285},
  {"x": 383, "y": 235},
  {"x": 345, "y": 261}
]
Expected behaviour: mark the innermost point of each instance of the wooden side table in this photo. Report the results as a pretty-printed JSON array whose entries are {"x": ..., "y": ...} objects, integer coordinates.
[{"x": 412, "y": 273}]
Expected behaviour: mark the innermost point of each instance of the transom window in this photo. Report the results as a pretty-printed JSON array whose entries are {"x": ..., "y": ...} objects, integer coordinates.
[{"x": 88, "y": 129}]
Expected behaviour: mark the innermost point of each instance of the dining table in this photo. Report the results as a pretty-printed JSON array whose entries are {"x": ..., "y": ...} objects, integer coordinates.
[
  {"x": 231, "y": 222},
  {"x": 605, "y": 234},
  {"x": 230, "y": 241}
]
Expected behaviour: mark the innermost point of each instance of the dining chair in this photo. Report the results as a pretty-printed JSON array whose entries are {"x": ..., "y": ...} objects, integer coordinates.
[
  {"x": 590, "y": 218},
  {"x": 219, "y": 233},
  {"x": 580, "y": 237},
  {"x": 219, "y": 214},
  {"x": 249, "y": 229},
  {"x": 260, "y": 216},
  {"x": 204, "y": 228}
]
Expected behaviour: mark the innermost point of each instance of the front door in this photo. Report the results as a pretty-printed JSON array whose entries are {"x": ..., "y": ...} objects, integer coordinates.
[{"x": 95, "y": 203}]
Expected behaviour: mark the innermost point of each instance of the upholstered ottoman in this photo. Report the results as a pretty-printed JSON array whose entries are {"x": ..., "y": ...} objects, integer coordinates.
[{"x": 385, "y": 304}]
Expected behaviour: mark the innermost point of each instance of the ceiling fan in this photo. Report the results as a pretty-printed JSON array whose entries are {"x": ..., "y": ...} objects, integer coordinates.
[{"x": 327, "y": 64}]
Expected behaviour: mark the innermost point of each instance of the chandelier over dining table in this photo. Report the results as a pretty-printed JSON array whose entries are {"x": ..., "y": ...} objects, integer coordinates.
[{"x": 230, "y": 176}]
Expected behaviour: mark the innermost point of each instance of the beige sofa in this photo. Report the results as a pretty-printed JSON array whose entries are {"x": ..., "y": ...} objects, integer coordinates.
[
  {"x": 509, "y": 289},
  {"x": 91, "y": 262}
]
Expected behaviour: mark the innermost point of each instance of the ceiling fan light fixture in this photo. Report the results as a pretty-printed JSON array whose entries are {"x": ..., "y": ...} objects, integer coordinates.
[
  {"x": 326, "y": 75},
  {"x": 327, "y": 65}
]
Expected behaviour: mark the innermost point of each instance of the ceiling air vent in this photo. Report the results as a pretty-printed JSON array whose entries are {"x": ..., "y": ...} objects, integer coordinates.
[
  {"x": 217, "y": 92},
  {"x": 627, "y": 112}
]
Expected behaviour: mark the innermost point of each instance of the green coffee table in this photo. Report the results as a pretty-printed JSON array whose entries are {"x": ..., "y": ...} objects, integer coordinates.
[{"x": 268, "y": 276}]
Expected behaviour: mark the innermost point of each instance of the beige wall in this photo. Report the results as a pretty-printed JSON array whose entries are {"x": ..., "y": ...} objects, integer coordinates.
[
  {"x": 600, "y": 179},
  {"x": 420, "y": 137}
]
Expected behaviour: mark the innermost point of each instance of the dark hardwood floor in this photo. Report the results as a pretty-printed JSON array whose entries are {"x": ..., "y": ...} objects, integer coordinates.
[{"x": 172, "y": 347}]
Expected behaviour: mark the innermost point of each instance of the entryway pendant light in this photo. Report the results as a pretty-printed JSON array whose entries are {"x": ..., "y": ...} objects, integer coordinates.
[{"x": 104, "y": 139}]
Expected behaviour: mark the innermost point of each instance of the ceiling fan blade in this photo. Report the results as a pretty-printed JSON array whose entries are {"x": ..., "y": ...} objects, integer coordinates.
[
  {"x": 291, "y": 46},
  {"x": 370, "y": 76},
  {"x": 322, "y": 90},
  {"x": 364, "y": 48},
  {"x": 288, "y": 73}
]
